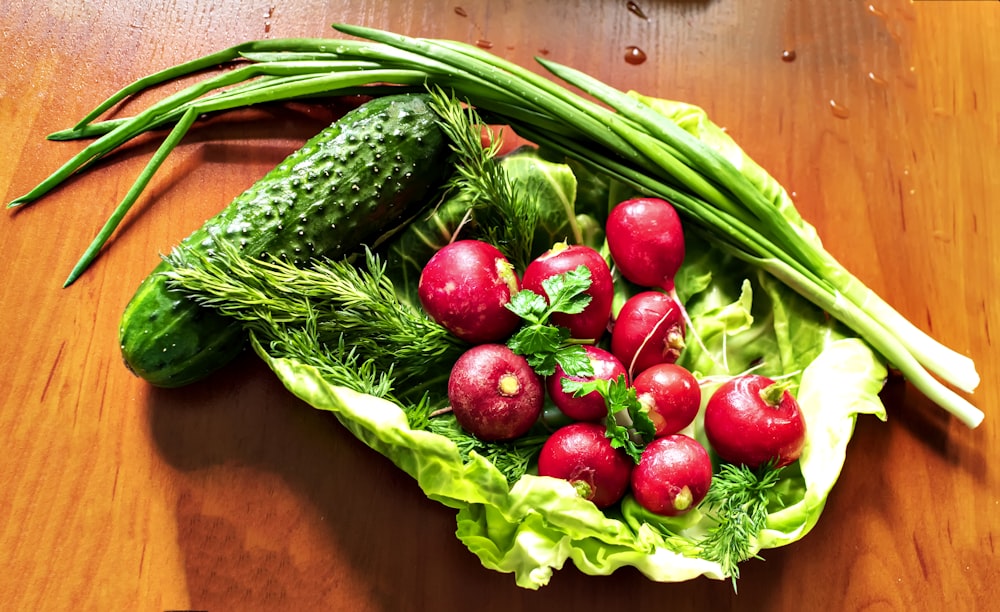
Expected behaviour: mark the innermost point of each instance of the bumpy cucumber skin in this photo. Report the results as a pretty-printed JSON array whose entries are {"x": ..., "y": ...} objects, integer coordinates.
[{"x": 355, "y": 181}]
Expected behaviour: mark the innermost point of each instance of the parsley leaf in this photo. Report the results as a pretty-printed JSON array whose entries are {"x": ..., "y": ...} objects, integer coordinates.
[
  {"x": 543, "y": 344},
  {"x": 628, "y": 424},
  {"x": 528, "y": 305},
  {"x": 574, "y": 360},
  {"x": 539, "y": 344},
  {"x": 567, "y": 291}
]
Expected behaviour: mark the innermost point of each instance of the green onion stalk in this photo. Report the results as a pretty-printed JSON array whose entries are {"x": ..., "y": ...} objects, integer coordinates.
[{"x": 610, "y": 132}]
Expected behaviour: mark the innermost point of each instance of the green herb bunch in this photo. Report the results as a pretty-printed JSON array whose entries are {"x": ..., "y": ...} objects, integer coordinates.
[{"x": 346, "y": 318}]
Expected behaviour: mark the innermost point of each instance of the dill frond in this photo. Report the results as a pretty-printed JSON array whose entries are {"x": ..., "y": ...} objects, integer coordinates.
[
  {"x": 507, "y": 217},
  {"x": 330, "y": 304},
  {"x": 511, "y": 458},
  {"x": 738, "y": 501}
]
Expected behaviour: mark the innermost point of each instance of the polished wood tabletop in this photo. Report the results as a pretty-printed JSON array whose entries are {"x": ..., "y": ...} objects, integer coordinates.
[{"x": 882, "y": 119}]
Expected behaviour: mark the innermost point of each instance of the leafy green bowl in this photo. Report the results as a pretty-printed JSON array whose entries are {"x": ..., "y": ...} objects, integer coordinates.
[{"x": 742, "y": 319}]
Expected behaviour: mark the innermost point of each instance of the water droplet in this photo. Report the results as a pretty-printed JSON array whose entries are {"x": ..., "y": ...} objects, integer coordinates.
[
  {"x": 874, "y": 78},
  {"x": 484, "y": 44},
  {"x": 788, "y": 55},
  {"x": 634, "y": 55},
  {"x": 460, "y": 12},
  {"x": 874, "y": 10},
  {"x": 636, "y": 10},
  {"x": 839, "y": 111}
]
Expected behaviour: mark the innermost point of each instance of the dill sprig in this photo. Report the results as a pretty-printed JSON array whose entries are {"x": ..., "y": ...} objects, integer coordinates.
[
  {"x": 511, "y": 458},
  {"x": 342, "y": 366},
  {"x": 331, "y": 304},
  {"x": 507, "y": 217},
  {"x": 738, "y": 500},
  {"x": 338, "y": 364}
]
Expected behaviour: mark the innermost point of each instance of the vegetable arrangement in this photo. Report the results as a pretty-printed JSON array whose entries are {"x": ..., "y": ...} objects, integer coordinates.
[{"x": 613, "y": 348}]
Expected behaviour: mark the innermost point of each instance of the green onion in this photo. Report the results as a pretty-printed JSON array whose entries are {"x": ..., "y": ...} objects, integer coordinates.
[{"x": 613, "y": 133}]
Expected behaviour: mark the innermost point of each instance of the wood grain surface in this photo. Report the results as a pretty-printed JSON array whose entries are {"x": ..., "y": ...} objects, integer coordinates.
[{"x": 882, "y": 118}]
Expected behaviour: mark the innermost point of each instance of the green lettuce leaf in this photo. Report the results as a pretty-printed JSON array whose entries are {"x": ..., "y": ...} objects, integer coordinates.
[
  {"x": 535, "y": 526},
  {"x": 553, "y": 185}
]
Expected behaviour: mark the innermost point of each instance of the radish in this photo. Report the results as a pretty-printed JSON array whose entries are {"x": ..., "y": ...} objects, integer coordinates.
[
  {"x": 673, "y": 475},
  {"x": 561, "y": 258},
  {"x": 582, "y": 454},
  {"x": 589, "y": 407},
  {"x": 466, "y": 286},
  {"x": 646, "y": 241},
  {"x": 648, "y": 330},
  {"x": 494, "y": 393},
  {"x": 671, "y": 396},
  {"x": 751, "y": 420}
]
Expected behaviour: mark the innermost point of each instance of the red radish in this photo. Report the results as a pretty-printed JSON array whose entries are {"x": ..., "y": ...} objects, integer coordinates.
[
  {"x": 466, "y": 286},
  {"x": 671, "y": 396},
  {"x": 494, "y": 393},
  {"x": 752, "y": 420},
  {"x": 582, "y": 454},
  {"x": 673, "y": 475},
  {"x": 561, "y": 258},
  {"x": 646, "y": 241},
  {"x": 648, "y": 330},
  {"x": 589, "y": 407}
]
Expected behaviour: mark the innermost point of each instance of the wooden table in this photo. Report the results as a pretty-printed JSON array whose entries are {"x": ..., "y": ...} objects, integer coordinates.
[{"x": 882, "y": 118}]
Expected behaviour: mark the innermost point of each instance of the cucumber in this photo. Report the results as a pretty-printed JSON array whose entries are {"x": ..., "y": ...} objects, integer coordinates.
[{"x": 355, "y": 182}]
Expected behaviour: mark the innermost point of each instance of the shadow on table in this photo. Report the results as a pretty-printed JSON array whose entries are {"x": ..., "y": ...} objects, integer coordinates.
[{"x": 949, "y": 440}]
